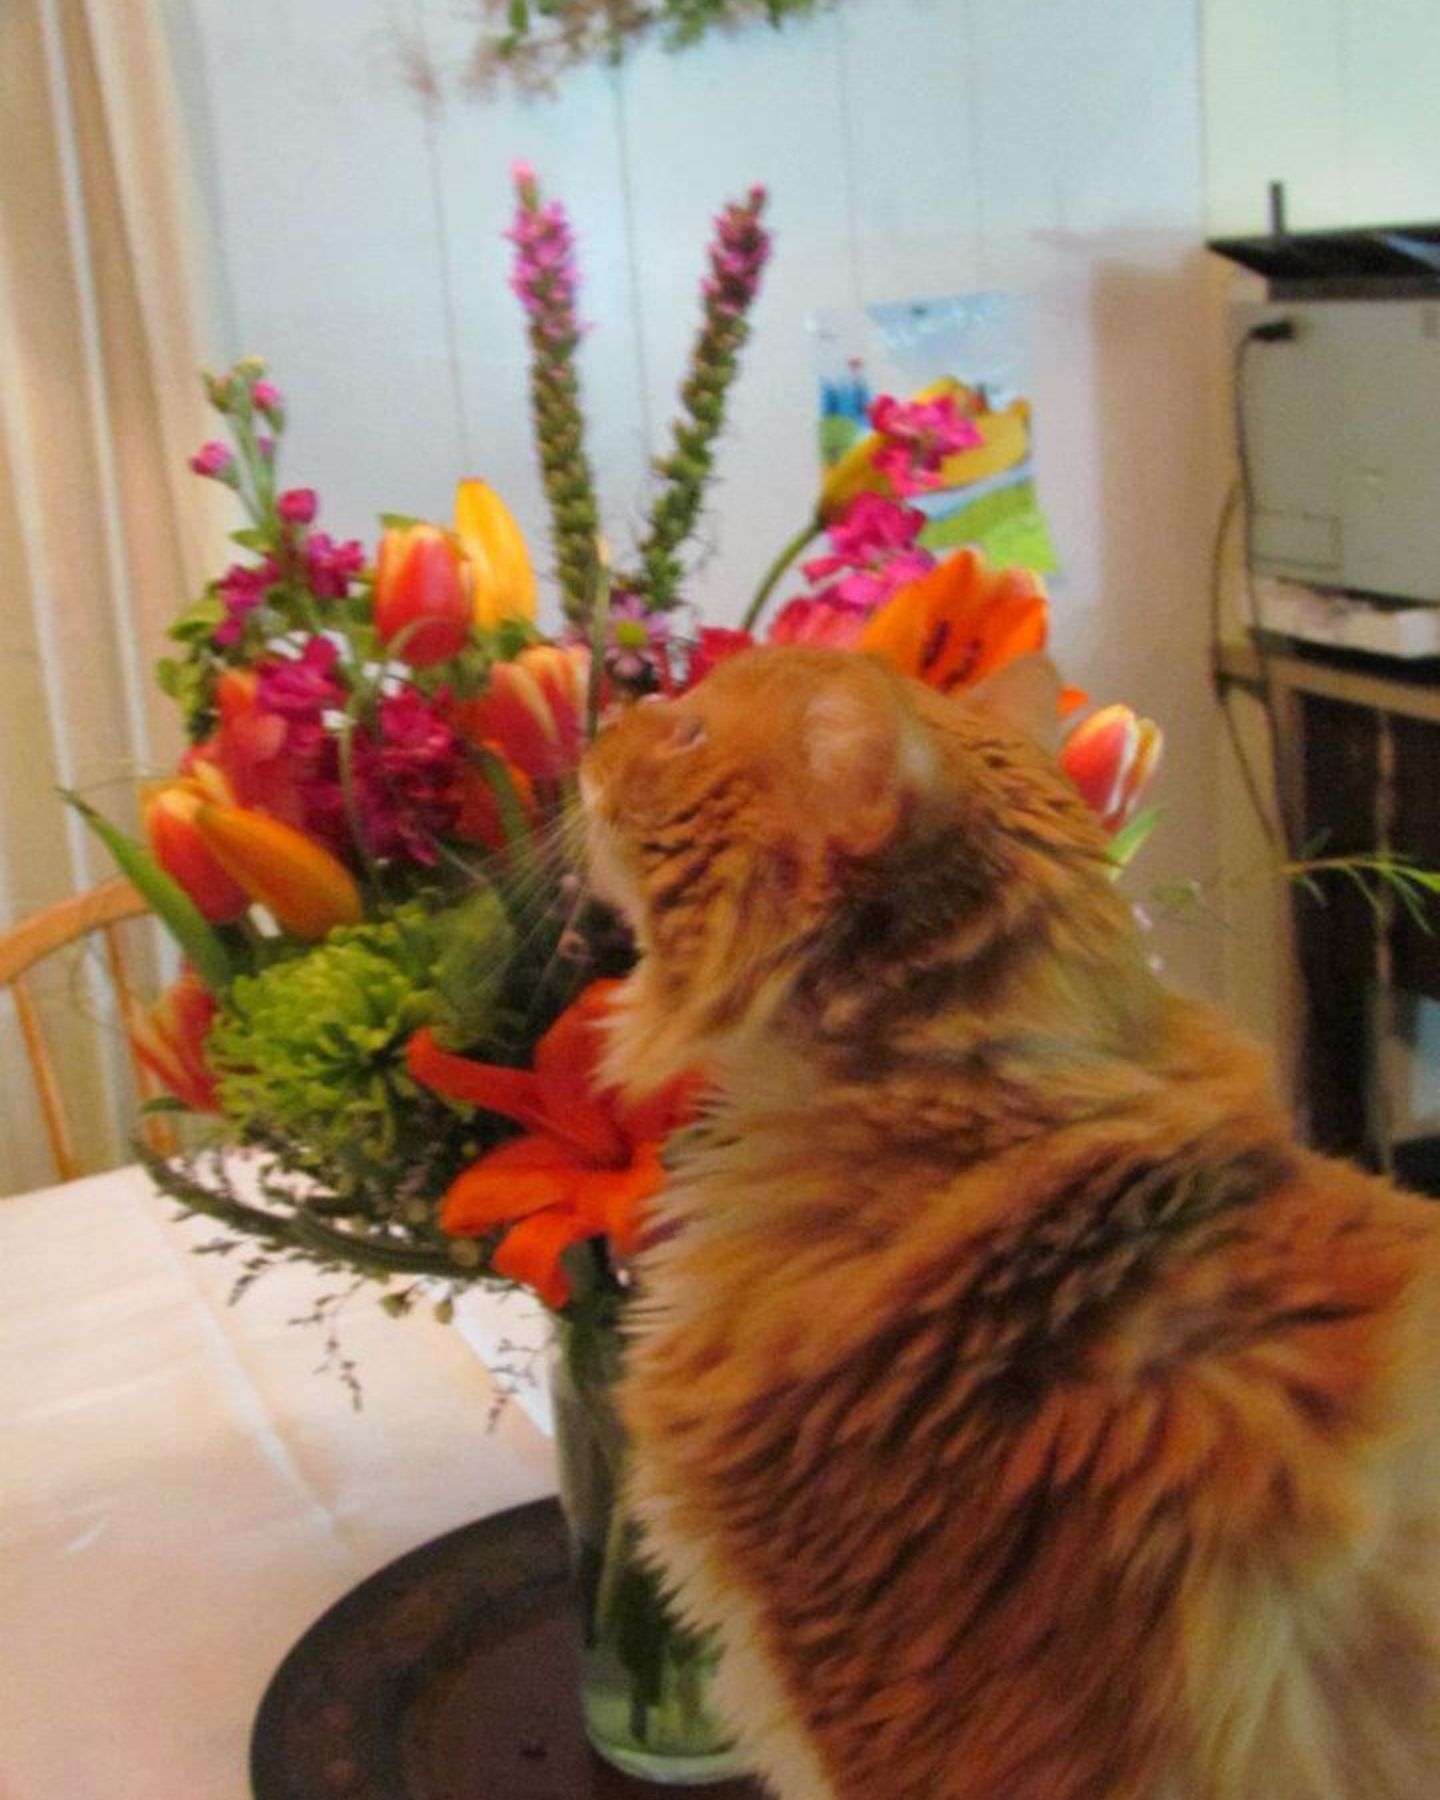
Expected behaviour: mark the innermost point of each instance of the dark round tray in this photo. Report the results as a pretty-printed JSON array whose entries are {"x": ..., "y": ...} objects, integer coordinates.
[{"x": 452, "y": 1674}]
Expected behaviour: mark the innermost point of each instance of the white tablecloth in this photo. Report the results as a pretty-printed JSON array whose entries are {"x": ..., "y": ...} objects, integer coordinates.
[{"x": 182, "y": 1493}]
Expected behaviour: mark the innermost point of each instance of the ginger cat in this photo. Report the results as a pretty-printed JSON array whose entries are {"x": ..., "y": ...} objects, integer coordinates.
[{"x": 1035, "y": 1419}]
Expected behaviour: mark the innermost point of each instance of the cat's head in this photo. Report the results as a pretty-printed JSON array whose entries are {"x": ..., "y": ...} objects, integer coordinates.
[{"x": 807, "y": 819}]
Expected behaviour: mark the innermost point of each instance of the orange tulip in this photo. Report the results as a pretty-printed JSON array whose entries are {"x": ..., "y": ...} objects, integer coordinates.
[
  {"x": 308, "y": 890},
  {"x": 1110, "y": 757},
  {"x": 170, "y": 1040},
  {"x": 479, "y": 817},
  {"x": 497, "y": 564},
  {"x": 176, "y": 844},
  {"x": 534, "y": 710},
  {"x": 422, "y": 607},
  {"x": 586, "y": 1163}
]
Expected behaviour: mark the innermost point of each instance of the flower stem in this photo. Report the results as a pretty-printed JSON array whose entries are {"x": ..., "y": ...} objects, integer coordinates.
[
  {"x": 738, "y": 254},
  {"x": 772, "y": 575}
]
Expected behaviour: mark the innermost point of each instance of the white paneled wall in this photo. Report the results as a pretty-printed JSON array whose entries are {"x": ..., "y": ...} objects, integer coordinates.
[
  {"x": 1339, "y": 99},
  {"x": 911, "y": 147}
]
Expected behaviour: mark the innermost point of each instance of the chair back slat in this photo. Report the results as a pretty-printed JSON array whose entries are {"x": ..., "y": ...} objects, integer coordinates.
[
  {"x": 29, "y": 942},
  {"x": 157, "y": 1133},
  {"x": 52, "y": 1105}
]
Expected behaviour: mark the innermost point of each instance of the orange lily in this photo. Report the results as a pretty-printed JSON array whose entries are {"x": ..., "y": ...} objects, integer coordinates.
[
  {"x": 308, "y": 890},
  {"x": 498, "y": 571},
  {"x": 169, "y": 1038},
  {"x": 961, "y": 622},
  {"x": 586, "y": 1163}
]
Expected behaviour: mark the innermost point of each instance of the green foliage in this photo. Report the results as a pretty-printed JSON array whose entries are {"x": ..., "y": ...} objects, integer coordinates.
[
  {"x": 534, "y": 40},
  {"x": 311, "y": 1050}
]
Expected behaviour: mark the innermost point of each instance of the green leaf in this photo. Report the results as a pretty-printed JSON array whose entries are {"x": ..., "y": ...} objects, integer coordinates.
[
  {"x": 1127, "y": 841},
  {"x": 514, "y": 821},
  {"x": 169, "y": 901}
]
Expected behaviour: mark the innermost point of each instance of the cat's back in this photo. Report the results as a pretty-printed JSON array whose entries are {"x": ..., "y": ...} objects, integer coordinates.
[{"x": 1115, "y": 1477}]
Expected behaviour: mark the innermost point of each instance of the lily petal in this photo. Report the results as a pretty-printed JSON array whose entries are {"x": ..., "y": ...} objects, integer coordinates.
[
  {"x": 510, "y": 1183},
  {"x": 532, "y": 1250}
]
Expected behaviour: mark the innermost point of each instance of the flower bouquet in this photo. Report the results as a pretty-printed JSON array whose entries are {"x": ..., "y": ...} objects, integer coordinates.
[{"x": 395, "y": 983}]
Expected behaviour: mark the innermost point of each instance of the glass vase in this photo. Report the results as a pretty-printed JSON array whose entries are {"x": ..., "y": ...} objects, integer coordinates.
[{"x": 645, "y": 1680}]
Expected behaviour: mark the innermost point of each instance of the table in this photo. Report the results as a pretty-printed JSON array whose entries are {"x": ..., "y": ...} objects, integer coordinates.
[{"x": 182, "y": 1493}]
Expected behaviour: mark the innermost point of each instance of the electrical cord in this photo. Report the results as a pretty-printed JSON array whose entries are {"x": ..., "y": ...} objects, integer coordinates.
[
  {"x": 1267, "y": 331},
  {"x": 1224, "y": 688}
]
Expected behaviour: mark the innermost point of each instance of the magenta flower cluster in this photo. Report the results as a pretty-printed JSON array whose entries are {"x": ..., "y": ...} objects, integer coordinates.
[
  {"x": 543, "y": 274},
  {"x": 241, "y": 590},
  {"x": 324, "y": 567},
  {"x": 738, "y": 254},
  {"x": 739, "y": 250},
  {"x": 395, "y": 784},
  {"x": 918, "y": 436},
  {"x": 874, "y": 552},
  {"x": 875, "y": 547}
]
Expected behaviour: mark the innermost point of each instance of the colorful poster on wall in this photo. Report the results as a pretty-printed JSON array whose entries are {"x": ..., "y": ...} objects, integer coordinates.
[{"x": 975, "y": 347}]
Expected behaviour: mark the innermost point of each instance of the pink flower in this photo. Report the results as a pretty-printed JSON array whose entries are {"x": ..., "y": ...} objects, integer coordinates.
[
  {"x": 1110, "y": 757},
  {"x": 216, "y": 461},
  {"x": 404, "y": 772},
  {"x": 919, "y": 435},
  {"x": 297, "y": 506},
  {"x": 241, "y": 589},
  {"x": 738, "y": 255},
  {"x": 331, "y": 567},
  {"x": 818, "y": 620},
  {"x": 543, "y": 274},
  {"x": 301, "y": 688},
  {"x": 874, "y": 552},
  {"x": 266, "y": 399},
  {"x": 636, "y": 638}
]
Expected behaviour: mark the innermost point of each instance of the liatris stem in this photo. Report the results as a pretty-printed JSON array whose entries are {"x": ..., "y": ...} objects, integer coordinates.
[
  {"x": 771, "y": 578},
  {"x": 738, "y": 254},
  {"x": 544, "y": 279}
]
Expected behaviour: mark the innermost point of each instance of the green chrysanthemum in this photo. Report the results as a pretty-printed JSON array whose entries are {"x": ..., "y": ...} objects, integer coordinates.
[{"x": 311, "y": 1051}]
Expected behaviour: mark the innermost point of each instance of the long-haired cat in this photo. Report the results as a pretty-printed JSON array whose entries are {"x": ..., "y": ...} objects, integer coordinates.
[{"x": 1033, "y": 1416}]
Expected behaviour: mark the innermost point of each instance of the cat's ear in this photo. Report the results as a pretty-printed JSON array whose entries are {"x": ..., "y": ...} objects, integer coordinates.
[
  {"x": 1024, "y": 697},
  {"x": 866, "y": 756}
]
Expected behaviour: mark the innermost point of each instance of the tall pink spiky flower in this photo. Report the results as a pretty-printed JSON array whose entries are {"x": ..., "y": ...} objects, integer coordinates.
[
  {"x": 543, "y": 275},
  {"x": 738, "y": 253}
]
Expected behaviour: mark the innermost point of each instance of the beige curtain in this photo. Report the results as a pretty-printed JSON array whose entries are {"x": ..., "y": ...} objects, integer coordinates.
[{"x": 104, "y": 310}]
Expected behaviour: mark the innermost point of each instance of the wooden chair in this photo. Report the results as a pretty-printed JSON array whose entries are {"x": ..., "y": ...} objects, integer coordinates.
[{"x": 101, "y": 909}]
